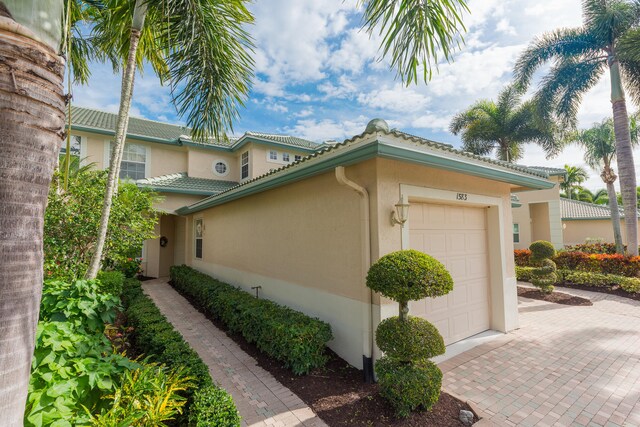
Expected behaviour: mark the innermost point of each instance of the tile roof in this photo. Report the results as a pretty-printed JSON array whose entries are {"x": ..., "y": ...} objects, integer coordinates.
[
  {"x": 575, "y": 209},
  {"x": 175, "y": 134},
  {"x": 139, "y": 127},
  {"x": 550, "y": 171},
  {"x": 328, "y": 149},
  {"x": 183, "y": 183}
]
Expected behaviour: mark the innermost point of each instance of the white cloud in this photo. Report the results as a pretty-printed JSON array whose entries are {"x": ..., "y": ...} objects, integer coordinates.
[
  {"x": 395, "y": 99},
  {"x": 506, "y": 28},
  {"x": 306, "y": 112},
  {"x": 432, "y": 121},
  {"x": 278, "y": 108},
  {"x": 326, "y": 129}
]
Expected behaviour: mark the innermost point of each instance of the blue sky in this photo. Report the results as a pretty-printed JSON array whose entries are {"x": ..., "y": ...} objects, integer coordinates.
[{"x": 318, "y": 76}]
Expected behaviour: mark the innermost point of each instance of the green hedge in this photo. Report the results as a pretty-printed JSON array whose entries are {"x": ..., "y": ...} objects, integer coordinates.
[
  {"x": 111, "y": 282},
  {"x": 154, "y": 336},
  {"x": 284, "y": 334},
  {"x": 586, "y": 278}
]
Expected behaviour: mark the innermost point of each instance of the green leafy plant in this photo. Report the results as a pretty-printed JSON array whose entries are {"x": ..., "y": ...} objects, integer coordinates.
[
  {"x": 149, "y": 396},
  {"x": 290, "y": 336},
  {"x": 111, "y": 282},
  {"x": 543, "y": 276},
  {"x": 72, "y": 218},
  {"x": 213, "y": 407},
  {"x": 524, "y": 273},
  {"x": 407, "y": 378}
]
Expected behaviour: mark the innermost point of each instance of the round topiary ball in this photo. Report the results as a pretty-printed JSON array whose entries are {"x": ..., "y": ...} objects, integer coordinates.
[
  {"x": 414, "y": 339},
  {"x": 541, "y": 249},
  {"x": 409, "y": 386},
  {"x": 409, "y": 275}
]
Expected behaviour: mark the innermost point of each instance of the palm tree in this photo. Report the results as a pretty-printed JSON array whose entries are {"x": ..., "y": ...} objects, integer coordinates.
[
  {"x": 30, "y": 142},
  {"x": 31, "y": 130},
  {"x": 608, "y": 40},
  {"x": 599, "y": 143},
  {"x": 576, "y": 175},
  {"x": 505, "y": 126}
]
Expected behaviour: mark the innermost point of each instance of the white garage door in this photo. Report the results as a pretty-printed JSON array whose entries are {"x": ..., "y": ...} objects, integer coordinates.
[{"x": 457, "y": 237}]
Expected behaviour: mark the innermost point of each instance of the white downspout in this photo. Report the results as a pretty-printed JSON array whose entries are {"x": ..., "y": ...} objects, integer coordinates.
[{"x": 367, "y": 318}]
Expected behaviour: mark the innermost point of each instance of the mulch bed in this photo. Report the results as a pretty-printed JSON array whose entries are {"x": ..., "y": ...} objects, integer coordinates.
[
  {"x": 555, "y": 297},
  {"x": 615, "y": 290},
  {"x": 338, "y": 394}
]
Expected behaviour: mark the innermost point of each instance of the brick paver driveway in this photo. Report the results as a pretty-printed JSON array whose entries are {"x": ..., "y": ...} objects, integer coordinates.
[{"x": 564, "y": 366}]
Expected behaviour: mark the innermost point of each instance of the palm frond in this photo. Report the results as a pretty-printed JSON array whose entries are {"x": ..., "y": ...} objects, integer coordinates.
[
  {"x": 609, "y": 19},
  {"x": 630, "y": 71},
  {"x": 415, "y": 32},
  {"x": 562, "y": 89},
  {"x": 209, "y": 61},
  {"x": 563, "y": 43}
]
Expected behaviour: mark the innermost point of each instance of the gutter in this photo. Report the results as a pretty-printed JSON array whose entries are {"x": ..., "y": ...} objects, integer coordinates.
[{"x": 367, "y": 318}]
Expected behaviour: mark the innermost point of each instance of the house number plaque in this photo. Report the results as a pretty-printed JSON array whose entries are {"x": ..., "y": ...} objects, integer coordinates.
[{"x": 461, "y": 196}]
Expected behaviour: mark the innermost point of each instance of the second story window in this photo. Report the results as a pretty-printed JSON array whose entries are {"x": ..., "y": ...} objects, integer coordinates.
[
  {"x": 134, "y": 161},
  {"x": 297, "y": 158},
  {"x": 285, "y": 157},
  {"x": 273, "y": 155},
  {"x": 245, "y": 165}
]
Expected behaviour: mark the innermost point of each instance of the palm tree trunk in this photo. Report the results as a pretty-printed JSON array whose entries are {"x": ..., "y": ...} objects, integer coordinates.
[
  {"x": 31, "y": 131},
  {"x": 615, "y": 215},
  {"x": 624, "y": 155},
  {"x": 126, "y": 94}
]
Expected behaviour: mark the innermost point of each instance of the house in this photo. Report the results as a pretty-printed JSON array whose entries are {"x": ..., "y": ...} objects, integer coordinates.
[
  {"x": 582, "y": 222},
  {"x": 164, "y": 158},
  {"x": 307, "y": 232},
  {"x": 537, "y": 214},
  {"x": 304, "y": 222}
]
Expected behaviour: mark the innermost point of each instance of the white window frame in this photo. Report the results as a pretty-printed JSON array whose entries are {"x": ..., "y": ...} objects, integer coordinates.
[
  {"x": 243, "y": 164},
  {"x": 196, "y": 238},
  {"x": 286, "y": 157},
  {"x": 147, "y": 163},
  {"x": 277, "y": 159},
  {"x": 215, "y": 163},
  {"x": 273, "y": 155},
  {"x": 516, "y": 226}
]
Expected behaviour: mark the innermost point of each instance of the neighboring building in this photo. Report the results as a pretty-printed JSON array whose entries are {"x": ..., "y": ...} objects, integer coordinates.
[
  {"x": 308, "y": 232},
  {"x": 536, "y": 214},
  {"x": 163, "y": 157},
  {"x": 583, "y": 222}
]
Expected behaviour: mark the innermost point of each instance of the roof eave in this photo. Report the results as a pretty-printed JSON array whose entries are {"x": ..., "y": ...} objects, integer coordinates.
[
  {"x": 129, "y": 135},
  {"x": 245, "y": 139}
]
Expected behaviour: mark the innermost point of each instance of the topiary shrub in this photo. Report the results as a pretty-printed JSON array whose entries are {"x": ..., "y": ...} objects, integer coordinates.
[
  {"x": 409, "y": 275},
  {"x": 407, "y": 378},
  {"x": 409, "y": 386},
  {"x": 543, "y": 275},
  {"x": 541, "y": 249},
  {"x": 414, "y": 338}
]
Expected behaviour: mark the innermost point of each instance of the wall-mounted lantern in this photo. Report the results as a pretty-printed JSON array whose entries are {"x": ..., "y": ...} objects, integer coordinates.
[{"x": 401, "y": 213}]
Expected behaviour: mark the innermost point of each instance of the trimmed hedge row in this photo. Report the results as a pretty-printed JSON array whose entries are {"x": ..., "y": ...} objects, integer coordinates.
[
  {"x": 586, "y": 278},
  {"x": 284, "y": 334},
  {"x": 154, "y": 336},
  {"x": 595, "y": 263}
]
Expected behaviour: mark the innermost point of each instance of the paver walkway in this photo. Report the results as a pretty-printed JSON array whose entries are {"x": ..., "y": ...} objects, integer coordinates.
[
  {"x": 565, "y": 366},
  {"x": 260, "y": 398}
]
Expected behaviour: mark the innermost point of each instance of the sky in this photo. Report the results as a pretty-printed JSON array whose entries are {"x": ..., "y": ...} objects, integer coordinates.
[{"x": 320, "y": 77}]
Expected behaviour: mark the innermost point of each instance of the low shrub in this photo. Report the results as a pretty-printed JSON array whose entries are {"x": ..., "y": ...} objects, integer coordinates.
[
  {"x": 522, "y": 257},
  {"x": 147, "y": 396},
  {"x": 154, "y": 335},
  {"x": 593, "y": 248},
  {"x": 213, "y": 407},
  {"x": 409, "y": 386},
  {"x": 414, "y": 338},
  {"x": 630, "y": 284},
  {"x": 586, "y": 278},
  {"x": 597, "y": 263},
  {"x": 543, "y": 274},
  {"x": 111, "y": 282},
  {"x": 523, "y": 273},
  {"x": 287, "y": 335}
]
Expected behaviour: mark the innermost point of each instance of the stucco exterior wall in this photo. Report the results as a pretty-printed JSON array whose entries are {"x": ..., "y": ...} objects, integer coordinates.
[
  {"x": 577, "y": 231},
  {"x": 201, "y": 164},
  {"x": 549, "y": 225}
]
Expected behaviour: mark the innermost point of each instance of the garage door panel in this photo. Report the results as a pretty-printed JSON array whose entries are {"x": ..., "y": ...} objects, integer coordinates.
[{"x": 456, "y": 236}]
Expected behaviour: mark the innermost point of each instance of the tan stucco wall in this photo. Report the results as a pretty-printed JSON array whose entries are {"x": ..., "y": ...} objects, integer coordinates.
[
  {"x": 166, "y": 258},
  {"x": 169, "y": 202},
  {"x": 577, "y": 231},
  {"x": 259, "y": 164},
  {"x": 551, "y": 227},
  {"x": 201, "y": 164},
  {"x": 539, "y": 213}
]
